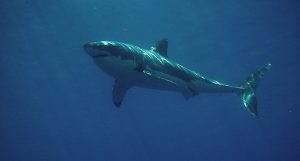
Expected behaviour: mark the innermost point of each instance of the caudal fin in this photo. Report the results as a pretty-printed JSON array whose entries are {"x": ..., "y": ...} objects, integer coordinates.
[{"x": 248, "y": 96}]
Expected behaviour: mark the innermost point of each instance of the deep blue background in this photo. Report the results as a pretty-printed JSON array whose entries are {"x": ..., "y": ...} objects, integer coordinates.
[{"x": 55, "y": 104}]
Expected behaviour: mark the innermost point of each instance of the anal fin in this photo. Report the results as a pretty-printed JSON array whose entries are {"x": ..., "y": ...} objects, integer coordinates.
[{"x": 189, "y": 92}]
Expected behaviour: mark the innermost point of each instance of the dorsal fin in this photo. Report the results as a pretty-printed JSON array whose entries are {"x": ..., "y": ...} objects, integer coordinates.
[{"x": 161, "y": 47}]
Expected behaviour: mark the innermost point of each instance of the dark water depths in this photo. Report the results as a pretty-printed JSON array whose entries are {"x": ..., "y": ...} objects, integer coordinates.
[{"x": 55, "y": 104}]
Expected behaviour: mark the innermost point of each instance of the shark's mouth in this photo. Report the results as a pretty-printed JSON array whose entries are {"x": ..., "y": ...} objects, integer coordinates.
[{"x": 101, "y": 54}]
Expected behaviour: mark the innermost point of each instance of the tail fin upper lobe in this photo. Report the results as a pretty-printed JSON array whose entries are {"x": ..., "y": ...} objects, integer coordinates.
[{"x": 248, "y": 95}]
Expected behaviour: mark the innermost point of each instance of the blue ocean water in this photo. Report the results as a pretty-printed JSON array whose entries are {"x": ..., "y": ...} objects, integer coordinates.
[{"x": 55, "y": 103}]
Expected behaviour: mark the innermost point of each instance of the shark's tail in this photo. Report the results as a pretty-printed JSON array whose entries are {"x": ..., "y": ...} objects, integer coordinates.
[{"x": 248, "y": 95}]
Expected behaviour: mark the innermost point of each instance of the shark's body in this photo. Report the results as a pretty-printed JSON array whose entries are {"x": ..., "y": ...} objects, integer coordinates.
[{"x": 131, "y": 66}]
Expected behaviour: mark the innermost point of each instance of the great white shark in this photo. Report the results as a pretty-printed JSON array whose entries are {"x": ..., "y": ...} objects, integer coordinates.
[{"x": 131, "y": 66}]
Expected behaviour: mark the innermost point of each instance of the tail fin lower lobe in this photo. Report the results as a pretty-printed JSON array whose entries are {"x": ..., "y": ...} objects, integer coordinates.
[{"x": 248, "y": 95}]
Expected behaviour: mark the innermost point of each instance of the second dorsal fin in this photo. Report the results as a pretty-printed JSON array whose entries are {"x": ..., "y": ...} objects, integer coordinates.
[{"x": 161, "y": 47}]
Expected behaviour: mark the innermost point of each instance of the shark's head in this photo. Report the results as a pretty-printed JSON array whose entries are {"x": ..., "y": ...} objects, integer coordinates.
[
  {"x": 101, "y": 49},
  {"x": 112, "y": 57}
]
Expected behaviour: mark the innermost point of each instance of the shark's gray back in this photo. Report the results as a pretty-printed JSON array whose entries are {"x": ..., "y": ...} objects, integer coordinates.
[{"x": 155, "y": 61}]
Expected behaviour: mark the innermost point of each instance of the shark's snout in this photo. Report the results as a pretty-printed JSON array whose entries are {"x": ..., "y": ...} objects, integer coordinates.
[
  {"x": 95, "y": 50},
  {"x": 88, "y": 48},
  {"x": 87, "y": 45}
]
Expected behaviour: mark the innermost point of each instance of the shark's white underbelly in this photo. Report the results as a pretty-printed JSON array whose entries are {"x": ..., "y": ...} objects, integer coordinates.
[{"x": 124, "y": 69}]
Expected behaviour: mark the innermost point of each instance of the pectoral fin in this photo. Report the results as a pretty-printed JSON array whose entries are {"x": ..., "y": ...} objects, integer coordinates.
[{"x": 119, "y": 91}]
